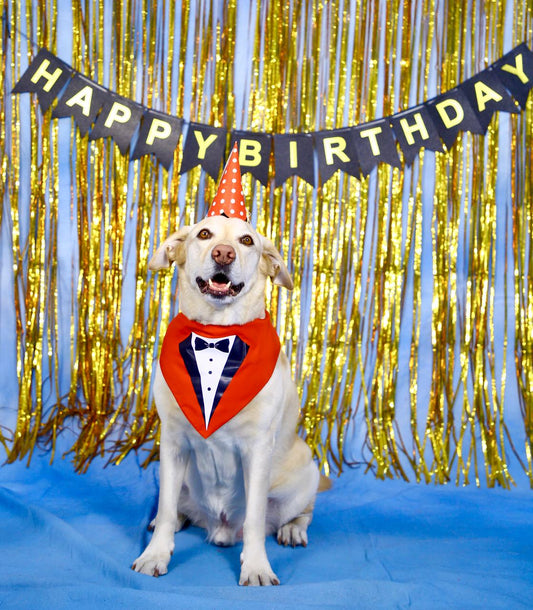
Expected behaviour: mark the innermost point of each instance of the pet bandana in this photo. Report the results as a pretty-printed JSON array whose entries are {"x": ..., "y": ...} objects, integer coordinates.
[{"x": 215, "y": 371}]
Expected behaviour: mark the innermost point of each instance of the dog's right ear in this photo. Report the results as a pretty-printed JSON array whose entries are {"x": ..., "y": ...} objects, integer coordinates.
[{"x": 170, "y": 251}]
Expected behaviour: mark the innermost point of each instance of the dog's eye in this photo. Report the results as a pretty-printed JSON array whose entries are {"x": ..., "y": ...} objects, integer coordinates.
[
  {"x": 246, "y": 240},
  {"x": 204, "y": 234}
]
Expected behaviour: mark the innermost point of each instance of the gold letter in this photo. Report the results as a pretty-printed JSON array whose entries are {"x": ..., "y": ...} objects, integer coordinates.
[
  {"x": 446, "y": 119},
  {"x": 50, "y": 77},
  {"x": 293, "y": 154},
  {"x": 203, "y": 145},
  {"x": 418, "y": 126},
  {"x": 371, "y": 135},
  {"x": 484, "y": 93},
  {"x": 249, "y": 153},
  {"x": 83, "y": 98},
  {"x": 118, "y": 113},
  {"x": 158, "y": 129},
  {"x": 335, "y": 146},
  {"x": 517, "y": 69}
]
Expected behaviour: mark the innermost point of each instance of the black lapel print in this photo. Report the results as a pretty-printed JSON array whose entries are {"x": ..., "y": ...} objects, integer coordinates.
[
  {"x": 235, "y": 359},
  {"x": 187, "y": 353}
]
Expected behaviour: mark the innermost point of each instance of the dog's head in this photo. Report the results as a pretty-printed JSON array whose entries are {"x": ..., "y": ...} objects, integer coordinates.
[{"x": 223, "y": 264}]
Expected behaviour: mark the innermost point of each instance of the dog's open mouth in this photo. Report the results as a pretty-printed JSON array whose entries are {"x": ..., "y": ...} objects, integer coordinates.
[{"x": 219, "y": 286}]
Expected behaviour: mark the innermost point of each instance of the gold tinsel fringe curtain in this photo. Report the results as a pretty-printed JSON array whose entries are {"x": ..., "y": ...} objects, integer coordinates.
[{"x": 411, "y": 326}]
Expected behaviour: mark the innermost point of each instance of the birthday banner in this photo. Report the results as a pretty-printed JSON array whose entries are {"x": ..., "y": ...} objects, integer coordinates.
[{"x": 356, "y": 150}]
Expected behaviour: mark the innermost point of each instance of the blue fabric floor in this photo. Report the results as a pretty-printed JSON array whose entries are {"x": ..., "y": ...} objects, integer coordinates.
[{"x": 68, "y": 540}]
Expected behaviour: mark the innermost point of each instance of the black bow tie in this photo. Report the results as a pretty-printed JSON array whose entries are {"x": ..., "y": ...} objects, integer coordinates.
[{"x": 222, "y": 345}]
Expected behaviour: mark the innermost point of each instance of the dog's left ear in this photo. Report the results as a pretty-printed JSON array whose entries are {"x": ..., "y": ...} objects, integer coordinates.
[
  {"x": 170, "y": 251},
  {"x": 275, "y": 265}
]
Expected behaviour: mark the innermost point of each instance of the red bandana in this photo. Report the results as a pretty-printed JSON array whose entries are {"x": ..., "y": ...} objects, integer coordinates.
[{"x": 247, "y": 379}]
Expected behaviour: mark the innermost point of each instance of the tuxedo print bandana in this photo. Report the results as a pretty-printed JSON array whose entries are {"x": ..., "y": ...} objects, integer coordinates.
[{"x": 215, "y": 371}]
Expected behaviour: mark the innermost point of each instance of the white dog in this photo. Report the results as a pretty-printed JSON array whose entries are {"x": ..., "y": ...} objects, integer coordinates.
[{"x": 235, "y": 471}]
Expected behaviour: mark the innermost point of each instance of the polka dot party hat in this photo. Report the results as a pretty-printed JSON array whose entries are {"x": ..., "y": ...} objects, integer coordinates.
[{"x": 229, "y": 199}]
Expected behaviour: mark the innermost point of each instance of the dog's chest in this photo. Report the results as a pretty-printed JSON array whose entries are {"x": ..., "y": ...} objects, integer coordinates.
[
  {"x": 216, "y": 466},
  {"x": 214, "y": 475}
]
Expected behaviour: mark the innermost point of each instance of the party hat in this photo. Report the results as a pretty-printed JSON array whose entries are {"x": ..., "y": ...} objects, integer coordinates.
[{"x": 229, "y": 199}]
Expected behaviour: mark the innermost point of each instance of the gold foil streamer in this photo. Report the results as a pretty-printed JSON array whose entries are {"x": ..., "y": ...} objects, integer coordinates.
[
  {"x": 522, "y": 210},
  {"x": 7, "y": 168},
  {"x": 356, "y": 249},
  {"x": 35, "y": 263}
]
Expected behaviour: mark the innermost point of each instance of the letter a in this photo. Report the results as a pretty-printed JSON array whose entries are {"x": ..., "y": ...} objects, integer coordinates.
[
  {"x": 83, "y": 98},
  {"x": 484, "y": 93}
]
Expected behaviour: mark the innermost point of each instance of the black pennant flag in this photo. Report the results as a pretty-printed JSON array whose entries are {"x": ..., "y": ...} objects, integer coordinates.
[
  {"x": 414, "y": 130},
  {"x": 254, "y": 153},
  {"x": 46, "y": 76},
  {"x": 335, "y": 150},
  {"x": 486, "y": 95},
  {"x": 293, "y": 156},
  {"x": 205, "y": 146},
  {"x": 515, "y": 70},
  {"x": 158, "y": 135},
  {"x": 118, "y": 119},
  {"x": 452, "y": 113},
  {"x": 81, "y": 100},
  {"x": 375, "y": 143}
]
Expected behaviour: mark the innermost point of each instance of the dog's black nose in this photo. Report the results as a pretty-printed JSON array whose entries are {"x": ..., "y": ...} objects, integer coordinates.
[{"x": 223, "y": 255}]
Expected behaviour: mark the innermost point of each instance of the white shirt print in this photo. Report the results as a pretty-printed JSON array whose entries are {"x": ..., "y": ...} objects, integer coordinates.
[{"x": 211, "y": 362}]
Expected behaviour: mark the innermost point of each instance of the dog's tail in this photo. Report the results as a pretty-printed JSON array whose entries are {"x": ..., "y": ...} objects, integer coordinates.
[{"x": 324, "y": 484}]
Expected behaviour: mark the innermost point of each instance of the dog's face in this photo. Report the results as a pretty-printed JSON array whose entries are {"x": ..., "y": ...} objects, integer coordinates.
[
  {"x": 222, "y": 258},
  {"x": 221, "y": 261}
]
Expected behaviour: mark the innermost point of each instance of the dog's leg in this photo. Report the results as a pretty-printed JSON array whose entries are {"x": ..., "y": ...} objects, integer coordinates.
[
  {"x": 155, "y": 559},
  {"x": 181, "y": 522},
  {"x": 255, "y": 567},
  {"x": 295, "y": 499}
]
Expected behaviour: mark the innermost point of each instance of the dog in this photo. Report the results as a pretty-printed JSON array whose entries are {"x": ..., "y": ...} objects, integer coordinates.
[{"x": 253, "y": 476}]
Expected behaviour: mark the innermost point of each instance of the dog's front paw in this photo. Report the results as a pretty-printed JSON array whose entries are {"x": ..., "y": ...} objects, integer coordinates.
[
  {"x": 152, "y": 563},
  {"x": 257, "y": 575}
]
